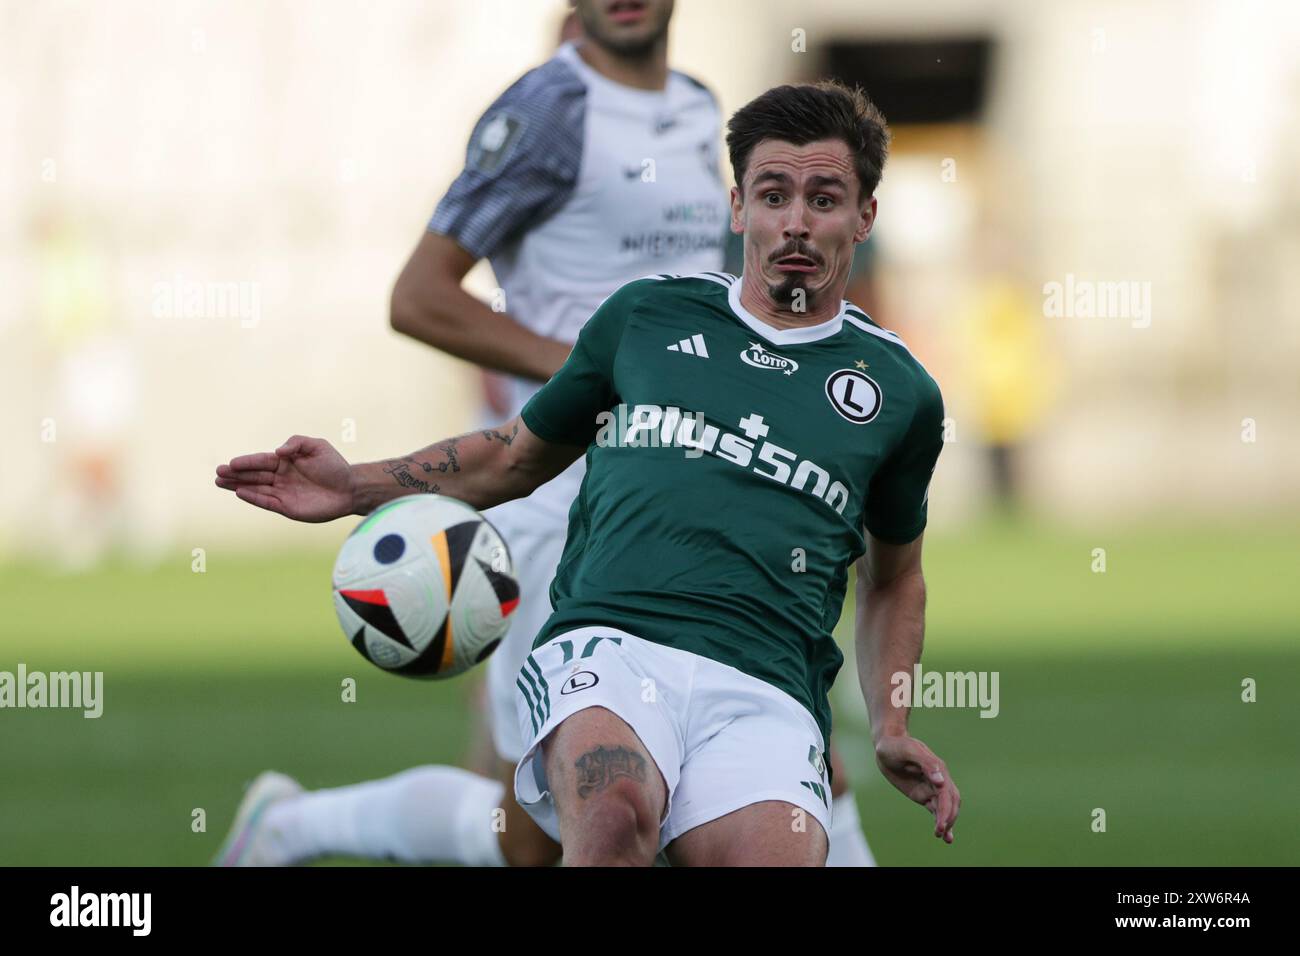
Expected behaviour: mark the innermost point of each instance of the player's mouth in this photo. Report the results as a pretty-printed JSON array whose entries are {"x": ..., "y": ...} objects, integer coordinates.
[
  {"x": 626, "y": 11},
  {"x": 795, "y": 264}
]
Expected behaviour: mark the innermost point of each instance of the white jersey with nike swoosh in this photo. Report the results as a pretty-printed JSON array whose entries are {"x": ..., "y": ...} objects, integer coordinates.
[{"x": 574, "y": 185}]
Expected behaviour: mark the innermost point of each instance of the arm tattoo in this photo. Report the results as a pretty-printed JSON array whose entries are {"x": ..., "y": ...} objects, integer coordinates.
[
  {"x": 400, "y": 469},
  {"x": 448, "y": 448},
  {"x": 492, "y": 433},
  {"x": 598, "y": 768}
]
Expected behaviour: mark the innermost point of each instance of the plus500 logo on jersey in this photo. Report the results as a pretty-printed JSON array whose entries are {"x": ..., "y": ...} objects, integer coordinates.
[{"x": 656, "y": 426}]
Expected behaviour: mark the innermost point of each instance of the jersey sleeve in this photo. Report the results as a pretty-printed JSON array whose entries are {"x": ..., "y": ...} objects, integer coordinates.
[
  {"x": 565, "y": 409},
  {"x": 522, "y": 162},
  {"x": 898, "y": 497}
]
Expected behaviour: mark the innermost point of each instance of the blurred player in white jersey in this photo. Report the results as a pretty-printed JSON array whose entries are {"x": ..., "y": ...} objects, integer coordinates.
[{"x": 596, "y": 168}]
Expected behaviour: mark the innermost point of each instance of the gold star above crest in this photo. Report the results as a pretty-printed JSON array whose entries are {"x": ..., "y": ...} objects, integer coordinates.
[{"x": 860, "y": 364}]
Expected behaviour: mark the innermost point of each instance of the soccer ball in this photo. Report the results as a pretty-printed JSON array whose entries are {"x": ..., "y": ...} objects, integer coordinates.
[{"x": 424, "y": 587}]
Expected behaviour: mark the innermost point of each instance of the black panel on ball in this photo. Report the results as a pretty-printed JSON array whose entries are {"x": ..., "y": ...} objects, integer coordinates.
[
  {"x": 359, "y": 642},
  {"x": 430, "y": 660},
  {"x": 504, "y": 586},
  {"x": 459, "y": 539},
  {"x": 378, "y": 616}
]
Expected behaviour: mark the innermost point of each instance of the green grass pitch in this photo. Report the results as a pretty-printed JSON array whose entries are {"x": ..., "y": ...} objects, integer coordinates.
[{"x": 1119, "y": 691}]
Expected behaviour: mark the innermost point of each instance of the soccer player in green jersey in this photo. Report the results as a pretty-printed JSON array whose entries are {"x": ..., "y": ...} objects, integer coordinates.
[{"x": 746, "y": 440}]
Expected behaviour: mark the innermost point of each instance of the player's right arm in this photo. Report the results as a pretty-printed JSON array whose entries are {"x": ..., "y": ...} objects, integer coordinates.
[
  {"x": 308, "y": 480},
  {"x": 429, "y": 305},
  {"x": 521, "y": 165}
]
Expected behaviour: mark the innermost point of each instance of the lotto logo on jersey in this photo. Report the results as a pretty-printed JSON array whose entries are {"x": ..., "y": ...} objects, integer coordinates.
[
  {"x": 656, "y": 426},
  {"x": 760, "y": 357}
]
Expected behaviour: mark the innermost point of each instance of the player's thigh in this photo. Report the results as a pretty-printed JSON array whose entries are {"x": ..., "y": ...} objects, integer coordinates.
[
  {"x": 623, "y": 756},
  {"x": 523, "y": 842},
  {"x": 594, "y": 756},
  {"x": 754, "y": 780},
  {"x": 768, "y": 833}
]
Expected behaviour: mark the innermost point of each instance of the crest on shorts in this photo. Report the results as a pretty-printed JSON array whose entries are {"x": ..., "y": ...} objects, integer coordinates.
[{"x": 579, "y": 681}]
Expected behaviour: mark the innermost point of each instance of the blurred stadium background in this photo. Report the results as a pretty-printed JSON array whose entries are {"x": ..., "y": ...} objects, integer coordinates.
[{"x": 206, "y": 205}]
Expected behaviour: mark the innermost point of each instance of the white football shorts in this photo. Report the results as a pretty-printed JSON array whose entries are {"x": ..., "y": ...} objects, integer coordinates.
[{"x": 721, "y": 738}]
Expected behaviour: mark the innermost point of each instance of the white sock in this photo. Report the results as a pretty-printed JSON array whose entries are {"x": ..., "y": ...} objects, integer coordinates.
[
  {"x": 424, "y": 815},
  {"x": 848, "y": 844}
]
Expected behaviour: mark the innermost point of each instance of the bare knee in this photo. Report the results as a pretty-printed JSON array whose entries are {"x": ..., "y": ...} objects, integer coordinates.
[
  {"x": 608, "y": 793},
  {"x": 615, "y": 826}
]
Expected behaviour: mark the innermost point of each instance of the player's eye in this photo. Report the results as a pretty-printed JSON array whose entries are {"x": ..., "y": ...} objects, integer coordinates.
[
  {"x": 823, "y": 202},
  {"x": 772, "y": 199}
]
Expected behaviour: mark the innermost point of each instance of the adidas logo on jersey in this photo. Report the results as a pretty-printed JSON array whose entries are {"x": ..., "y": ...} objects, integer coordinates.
[{"x": 692, "y": 346}]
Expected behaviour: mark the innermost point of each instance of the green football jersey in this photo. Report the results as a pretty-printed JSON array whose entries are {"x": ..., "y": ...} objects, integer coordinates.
[{"x": 731, "y": 469}]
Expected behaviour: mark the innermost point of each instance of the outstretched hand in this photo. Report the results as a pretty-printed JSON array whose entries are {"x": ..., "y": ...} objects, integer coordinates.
[
  {"x": 914, "y": 769},
  {"x": 305, "y": 479}
]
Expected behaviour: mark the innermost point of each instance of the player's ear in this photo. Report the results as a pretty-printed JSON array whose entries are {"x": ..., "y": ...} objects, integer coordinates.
[
  {"x": 737, "y": 211},
  {"x": 867, "y": 220}
]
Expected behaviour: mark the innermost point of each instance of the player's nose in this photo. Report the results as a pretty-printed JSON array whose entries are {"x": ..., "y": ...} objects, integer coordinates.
[{"x": 795, "y": 225}]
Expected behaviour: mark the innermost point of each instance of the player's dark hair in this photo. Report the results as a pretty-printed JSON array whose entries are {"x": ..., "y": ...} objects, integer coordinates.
[{"x": 807, "y": 112}]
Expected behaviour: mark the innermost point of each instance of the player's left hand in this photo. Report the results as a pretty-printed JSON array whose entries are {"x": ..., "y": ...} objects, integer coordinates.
[{"x": 914, "y": 769}]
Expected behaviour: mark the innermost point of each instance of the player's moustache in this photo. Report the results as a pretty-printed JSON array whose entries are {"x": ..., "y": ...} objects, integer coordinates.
[{"x": 796, "y": 247}]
